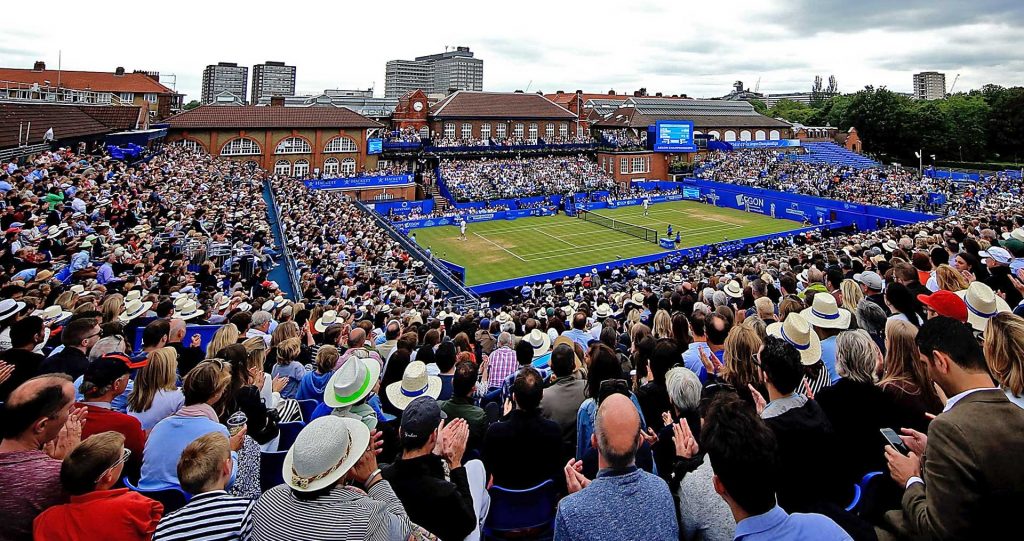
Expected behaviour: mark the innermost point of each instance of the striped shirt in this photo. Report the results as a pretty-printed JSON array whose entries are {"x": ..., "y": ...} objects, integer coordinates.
[
  {"x": 210, "y": 516},
  {"x": 344, "y": 514},
  {"x": 500, "y": 364}
]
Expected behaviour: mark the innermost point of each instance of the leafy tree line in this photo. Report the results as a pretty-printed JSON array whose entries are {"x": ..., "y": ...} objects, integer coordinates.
[{"x": 980, "y": 125}]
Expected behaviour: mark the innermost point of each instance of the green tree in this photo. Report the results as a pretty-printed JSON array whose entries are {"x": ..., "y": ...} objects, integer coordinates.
[
  {"x": 792, "y": 111},
  {"x": 192, "y": 105},
  {"x": 760, "y": 107}
]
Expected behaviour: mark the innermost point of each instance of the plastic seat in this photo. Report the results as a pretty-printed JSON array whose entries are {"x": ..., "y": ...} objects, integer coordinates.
[
  {"x": 271, "y": 465},
  {"x": 171, "y": 498},
  {"x": 307, "y": 406},
  {"x": 289, "y": 431},
  {"x": 521, "y": 514}
]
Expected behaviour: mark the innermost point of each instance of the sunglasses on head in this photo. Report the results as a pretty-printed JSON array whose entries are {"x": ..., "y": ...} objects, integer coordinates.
[{"x": 610, "y": 387}]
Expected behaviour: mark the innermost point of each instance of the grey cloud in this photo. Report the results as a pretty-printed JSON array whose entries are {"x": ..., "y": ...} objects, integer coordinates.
[{"x": 810, "y": 17}]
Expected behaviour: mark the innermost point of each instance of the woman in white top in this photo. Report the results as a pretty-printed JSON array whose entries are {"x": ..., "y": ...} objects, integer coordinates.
[{"x": 155, "y": 395}]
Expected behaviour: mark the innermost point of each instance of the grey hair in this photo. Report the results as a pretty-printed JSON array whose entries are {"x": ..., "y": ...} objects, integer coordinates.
[
  {"x": 683, "y": 388},
  {"x": 110, "y": 344},
  {"x": 720, "y": 298},
  {"x": 260, "y": 317},
  {"x": 856, "y": 354},
  {"x": 505, "y": 339},
  {"x": 870, "y": 317}
]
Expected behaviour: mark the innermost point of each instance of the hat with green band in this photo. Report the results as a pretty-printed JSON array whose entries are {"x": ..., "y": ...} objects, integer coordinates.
[{"x": 352, "y": 382}]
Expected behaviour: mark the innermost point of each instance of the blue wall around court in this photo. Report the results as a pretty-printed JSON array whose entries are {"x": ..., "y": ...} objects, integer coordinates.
[
  {"x": 479, "y": 217},
  {"x": 425, "y": 206}
]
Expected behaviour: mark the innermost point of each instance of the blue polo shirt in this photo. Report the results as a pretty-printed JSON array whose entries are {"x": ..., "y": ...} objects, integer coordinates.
[{"x": 778, "y": 525}]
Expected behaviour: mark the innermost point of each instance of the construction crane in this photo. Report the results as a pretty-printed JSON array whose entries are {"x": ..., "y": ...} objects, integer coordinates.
[
  {"x": 955, "y": 79},
  {"x": 757, "y": 86}
]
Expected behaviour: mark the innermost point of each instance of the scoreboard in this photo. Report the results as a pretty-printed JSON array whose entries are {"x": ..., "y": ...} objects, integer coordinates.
[{"x": 674, "y": 136}]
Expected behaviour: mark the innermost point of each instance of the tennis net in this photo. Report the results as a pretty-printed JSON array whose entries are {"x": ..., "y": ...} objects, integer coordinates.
[{"x": 637, "y": 231}]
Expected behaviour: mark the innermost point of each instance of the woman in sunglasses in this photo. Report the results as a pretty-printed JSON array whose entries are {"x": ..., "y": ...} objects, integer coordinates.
[{"x": 88, "y": 474}]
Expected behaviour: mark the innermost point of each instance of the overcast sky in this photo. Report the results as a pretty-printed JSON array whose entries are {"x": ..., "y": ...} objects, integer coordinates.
[{"x": 696, "y": 48}]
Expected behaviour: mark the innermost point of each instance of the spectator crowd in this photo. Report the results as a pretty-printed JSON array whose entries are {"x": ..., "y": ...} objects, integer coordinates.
[{"x": 499, "y": 178}]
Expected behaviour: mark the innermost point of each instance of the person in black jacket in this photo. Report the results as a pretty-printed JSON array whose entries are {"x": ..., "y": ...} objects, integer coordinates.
[
  {"x": 78, "y": 338},
  {"x": 440, "y": 502},
  {"x": 26, "y": 334}
]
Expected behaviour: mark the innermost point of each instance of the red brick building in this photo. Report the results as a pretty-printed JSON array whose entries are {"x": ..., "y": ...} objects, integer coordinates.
[
  {"x": 411, "y": 113},
  {"x": 466, "y": 115}
]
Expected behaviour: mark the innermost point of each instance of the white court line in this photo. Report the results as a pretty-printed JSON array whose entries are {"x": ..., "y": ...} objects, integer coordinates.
[
  {"x": 586, "y": 251},
  {"x": 559, "y": 239},
  {"x": 594, "y": 246},
  {"x": 499, "y": 246}
]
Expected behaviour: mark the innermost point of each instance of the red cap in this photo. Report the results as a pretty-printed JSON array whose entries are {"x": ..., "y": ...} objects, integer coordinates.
[
  {"x": 265, "y": 283},
  {"x": 946, "y": 303}
]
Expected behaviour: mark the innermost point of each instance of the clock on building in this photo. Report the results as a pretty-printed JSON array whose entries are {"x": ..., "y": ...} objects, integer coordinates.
[{"x": 417, "y": 106}]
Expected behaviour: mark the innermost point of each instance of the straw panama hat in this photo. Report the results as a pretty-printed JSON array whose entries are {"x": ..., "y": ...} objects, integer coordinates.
[
  {"x": 982, "y": 304},
  {"x": 797, "y": 331},
  {"x": 540, "y": 341},
  {"x": 188, "y": 311},
  {"x": 825, "y": 313},
  {"x": 352, "y": 382},
  {"x": 53, "y": 315},
  {"x": 324, "y": 452},
  {"x": 415, "y": 383},
  {"x": 329, "y": 318},
  {"x": 134, "y": 308},
  {"x": 734, "y": 289}
]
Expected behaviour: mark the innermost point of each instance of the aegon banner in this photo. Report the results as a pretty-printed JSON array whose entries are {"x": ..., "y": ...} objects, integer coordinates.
[{"x": 359, "y": 183}]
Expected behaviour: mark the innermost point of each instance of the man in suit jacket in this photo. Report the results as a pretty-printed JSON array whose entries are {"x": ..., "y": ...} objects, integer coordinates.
[{"x": 964, "y": 479}]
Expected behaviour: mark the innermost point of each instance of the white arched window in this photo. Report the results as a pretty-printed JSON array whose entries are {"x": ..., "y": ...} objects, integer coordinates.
[
  {"x": 449, "y": 130},
  {"x": 191, "y": 145},
  {"x": 730, "y": 135},
  {"x": 774, "y": 135},
  {"x": 301, "y": 168},
  {"x": 283, "y": 167},
  {"x": 330, "y": 167},
  {"x": 759, "y": 135},
  {"x": 425, "y": 132},
  {"x": 242, "y": 146},
  {"x": 293, "y": 145},
  {"x": 549, "y": 131},
  {"x": 348, "y": 166},
  {"x": 340, "y": 144},
  {"x": 745, "y": 135},
  {"x": 563, "y": 130},
  {"x": 715, "y": 134}
]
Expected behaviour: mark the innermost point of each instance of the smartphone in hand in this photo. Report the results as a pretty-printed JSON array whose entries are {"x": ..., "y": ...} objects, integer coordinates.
[{"x": 892, "y": 438}]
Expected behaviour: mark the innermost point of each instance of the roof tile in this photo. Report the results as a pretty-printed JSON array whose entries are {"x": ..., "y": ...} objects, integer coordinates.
[
  {"x": 96, "y": 81},
  {"x": 261, "y": 116},
  {"x": 469, "y": 104}
]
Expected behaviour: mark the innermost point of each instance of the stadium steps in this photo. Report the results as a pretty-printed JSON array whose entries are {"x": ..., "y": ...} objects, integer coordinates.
[
  {"x": 831, "y": 153},
  {"x": 279, "y": 273},
  {"x": 440, "y": 203}
]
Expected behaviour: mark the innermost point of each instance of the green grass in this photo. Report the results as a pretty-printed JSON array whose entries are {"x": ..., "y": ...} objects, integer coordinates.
[{"x": 501, "y": 249}]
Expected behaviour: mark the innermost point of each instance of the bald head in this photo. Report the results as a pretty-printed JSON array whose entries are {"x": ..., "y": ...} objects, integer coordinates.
[
  {"x": 617, "y": 432},
  {"x": 177, "y": 329},
  {"x": 37, "y": 409},
  {"x": 357, "y": 337}
]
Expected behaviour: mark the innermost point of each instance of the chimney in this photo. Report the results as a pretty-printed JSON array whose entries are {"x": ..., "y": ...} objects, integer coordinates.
[
  {"x": 39, "y": 66},
  {"x": 559, "y": 92},
  {"x": 119, "y": 71},
  {"x": 637, "y": 94},
  {"x": 155, "y": 75},
  {"x": 657, "y": 94},
  {"x": 277, "y": 101},
  {"x": 611, "y": 92}
]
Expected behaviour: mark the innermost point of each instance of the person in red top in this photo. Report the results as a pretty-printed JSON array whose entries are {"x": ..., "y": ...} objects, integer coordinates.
[
  {"x": 104, "y": 379},
  {"x": 97, "y": 511}
]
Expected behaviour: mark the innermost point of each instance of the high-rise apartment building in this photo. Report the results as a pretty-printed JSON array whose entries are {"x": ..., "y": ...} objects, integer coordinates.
[
  {"x": 435, "y": 74},
  {"x": 224, "y": 77},
  {"x": 272, "y": 79},
  {"x": 929, "y": 85}
]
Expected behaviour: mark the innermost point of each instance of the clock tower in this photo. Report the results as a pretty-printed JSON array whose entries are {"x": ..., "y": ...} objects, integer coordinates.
[{"x": 411, "y": 111}]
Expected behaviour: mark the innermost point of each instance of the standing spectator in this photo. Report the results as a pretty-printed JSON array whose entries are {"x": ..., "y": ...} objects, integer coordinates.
[
  {"x": 653, "y": 395},
  {"x": 904, "y": 378},
  {"x": 461, "y": 405},
  {"x": 97, "y": 510},
  {"x": 1004, "y": 353},
  {"x": 633, "y": 493},
  {"x": 41, "y": 426},
  {"x": 969, "y": 486},
  {"x": 828, "y": 321},
  {"x": 501, "y": 363},
  {"x": 564, "y": 395},
  {"x": 205, "y": 471}
]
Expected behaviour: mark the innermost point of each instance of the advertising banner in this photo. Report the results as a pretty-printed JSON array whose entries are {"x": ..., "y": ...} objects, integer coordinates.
[{"x": 359, "y": 183}]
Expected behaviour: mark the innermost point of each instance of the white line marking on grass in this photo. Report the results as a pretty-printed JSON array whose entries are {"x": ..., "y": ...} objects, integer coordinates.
[
  {"x": 559, "y": 239},
  {"x": 600, "y": 248},
  {"x": 499, "y": 246}
]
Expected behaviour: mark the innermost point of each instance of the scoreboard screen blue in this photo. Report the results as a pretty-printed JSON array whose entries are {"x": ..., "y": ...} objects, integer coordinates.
[
  {"x": 374, "y": 146},
  {"x": 674, "y": 136}
]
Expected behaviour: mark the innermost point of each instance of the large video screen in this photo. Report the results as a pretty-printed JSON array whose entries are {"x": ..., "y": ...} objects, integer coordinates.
[
  {"x": 674, "y": 136},
  {"x": 374, "y": 146}
]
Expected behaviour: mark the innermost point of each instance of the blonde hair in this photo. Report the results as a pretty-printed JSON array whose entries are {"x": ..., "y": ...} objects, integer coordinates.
[
  {"x": 201, "y": 461},
  {"x": 740, "y": 346},
  {"x": 256, "y": 349},
  {"x": 1004, "y": 351},
  {"x": 852, "y": 294},
  {"x": 950, "y": 279},
  {"x": 662, "y": 324},
  {"x": 112, "y": 307},
  {"x": 288, "y": 350},
  {"x": 326, "y": 357},
  {"x": 67, "y": 300},
  {"x": 902, "y": 364},
  {"x": 224, "y": 337},
  {"x": 284, "y": 331},
  {"x": 159, "y": 374}
]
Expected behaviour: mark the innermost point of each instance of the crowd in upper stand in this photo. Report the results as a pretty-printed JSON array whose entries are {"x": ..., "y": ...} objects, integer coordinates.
[
  {"x": 735, "y": 395},
  {"x": 498, "y": 178}
]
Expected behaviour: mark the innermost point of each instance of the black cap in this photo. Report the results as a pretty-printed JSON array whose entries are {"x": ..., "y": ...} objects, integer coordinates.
[
  {"x": 105, "y": 370},
  {"x": 420, "y": 418}
]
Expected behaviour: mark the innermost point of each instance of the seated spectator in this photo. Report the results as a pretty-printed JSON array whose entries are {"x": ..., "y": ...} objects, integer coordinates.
[
  {"x": 334, "y": 491},
  {"x": 78, "y": 338},
  {"x": 524, "y": 432},
  {"x": 205, "y": 471},
  {"x": 26, "y": 334},
  {"x": 156, "y": 394},
  {"x": 444, "y": 361},
  {"x": 105, "y": 379},
  {"x": 349, "y": 389},
  {"x": 97, "y": 510},
  {"x": 904, "y": 379},
  {"x": 461, "y": 405},
  {"x": 970, "y": 486},
  {"x": 204, "y": 387},
  {"x": 314, "y": 383},
  {"x": 563, "y": 396},
  {"x": 604, "y": 372},
  {"x": 1004, "y": 354},
  {"x": 449, "y": 502},
  {"x": 287, "y": 367},
  {"x": 742, "y": 451},
  {"x": 632, "y": 493},
  {"x": 188, "y": 355},
  {"x": 41, "y": 426}
]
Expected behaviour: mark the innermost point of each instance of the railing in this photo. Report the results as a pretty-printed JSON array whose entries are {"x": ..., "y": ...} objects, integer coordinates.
[
  {"x": 289, "y": 261},
  {"x": 33, "y": 92},
  {"x": 460, "y": 297}
]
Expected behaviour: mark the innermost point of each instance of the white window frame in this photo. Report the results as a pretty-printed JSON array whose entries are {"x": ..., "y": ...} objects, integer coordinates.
[
  {"x": 500, "y": 131},
  {"x": 340, "y": 144},
  {"x": 425, "y": 132},
  {"x": 348, "y": 166},
  {"x": 624, "y": 166},
  {"x": 549, "y": 131},
  {"x": 485, "y": 131},
  {"x": 449, "y": 130},
  {"x": 294, "y": 145},
  {"x": 533, "y": 132},
  {"x": 639, "y": 165},
  {"x": 151, "y": 97},
  {"x": 563, "y": 130},
  {"x": 191, "y": 145},
  {"x": 301, "y": 168},
  {"x": 331, "y": 166},
  {"x": 283, "y": 167},
  {"x": 517, "y": 130},
  {"x": 241, "y": 146},
  {"x": 467, "y": 130},
  {"x": 127, "y": 96}
]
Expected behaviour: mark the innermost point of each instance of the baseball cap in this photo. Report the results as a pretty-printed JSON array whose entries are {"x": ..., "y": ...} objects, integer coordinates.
[
  {"x": 999, "y": 255},
  {"x": 946, "y": 303},
  {"x": 870, "y": 279},
  {"x": 105, "y": 370},
  {"x": 1014, "y": 246},
  {"x": 420, "y": 418}
]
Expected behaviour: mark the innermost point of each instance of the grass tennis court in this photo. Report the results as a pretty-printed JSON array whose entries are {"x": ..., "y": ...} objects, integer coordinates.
[{"x": 501, "y": 249}]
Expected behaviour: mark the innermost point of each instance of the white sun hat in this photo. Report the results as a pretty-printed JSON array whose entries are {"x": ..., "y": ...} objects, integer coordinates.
[
  {"x": 797, "y": 331},
  {"x": 324, "y": 452},
  {"x": 826, "y": 313},
  {"x": 415, "y": 383}
]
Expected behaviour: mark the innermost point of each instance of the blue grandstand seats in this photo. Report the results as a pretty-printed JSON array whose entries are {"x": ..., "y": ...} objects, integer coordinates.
[{"x": 834, "y": 154}]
